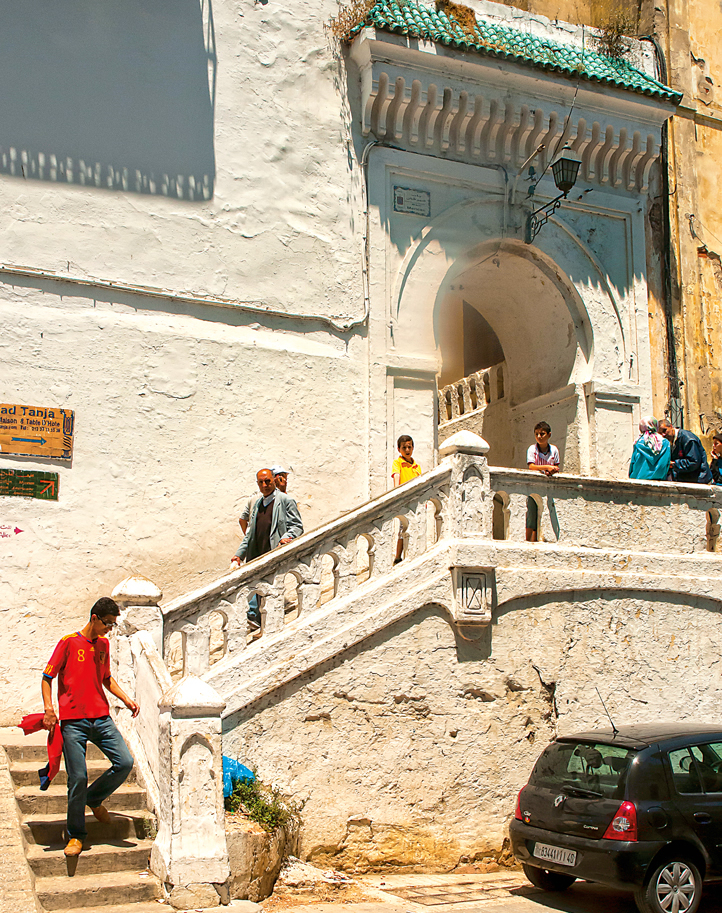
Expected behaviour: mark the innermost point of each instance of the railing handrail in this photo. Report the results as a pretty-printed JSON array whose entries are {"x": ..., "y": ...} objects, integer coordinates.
[
  {"x": 565, "y": 481},
  {"x": 261, "y": 567}
]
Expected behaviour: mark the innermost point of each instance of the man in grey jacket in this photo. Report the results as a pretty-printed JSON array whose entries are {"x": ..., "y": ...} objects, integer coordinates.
[{"x": 274, "y": 521}]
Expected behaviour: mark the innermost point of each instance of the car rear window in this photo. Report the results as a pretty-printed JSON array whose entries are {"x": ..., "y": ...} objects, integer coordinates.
[{"x": 585, "y": 768}]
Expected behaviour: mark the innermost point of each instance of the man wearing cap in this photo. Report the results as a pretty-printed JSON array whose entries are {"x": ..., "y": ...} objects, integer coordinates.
[
  {"x": 274, "y": 520},
  {"x": 280, "y": 478}
]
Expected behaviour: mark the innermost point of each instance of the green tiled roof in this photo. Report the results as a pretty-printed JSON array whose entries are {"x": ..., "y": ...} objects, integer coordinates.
[{"x": 413, "y": 18}]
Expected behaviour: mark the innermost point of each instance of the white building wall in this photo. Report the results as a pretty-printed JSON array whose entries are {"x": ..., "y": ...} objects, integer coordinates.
[{"x": 177, "y": 404}]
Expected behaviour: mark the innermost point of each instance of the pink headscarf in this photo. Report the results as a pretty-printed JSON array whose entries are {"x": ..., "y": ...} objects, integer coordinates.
[{"x": 648, "y": 431}]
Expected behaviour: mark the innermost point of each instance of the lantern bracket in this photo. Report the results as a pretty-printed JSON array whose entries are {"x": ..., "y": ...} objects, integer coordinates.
[{"x": 536, "y": 220}]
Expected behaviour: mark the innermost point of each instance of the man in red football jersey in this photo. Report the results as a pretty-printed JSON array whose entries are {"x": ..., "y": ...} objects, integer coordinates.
[{"x": 81, "y": 662}]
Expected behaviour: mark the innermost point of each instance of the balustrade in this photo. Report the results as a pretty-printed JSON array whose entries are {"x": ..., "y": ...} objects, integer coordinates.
[
  {"x": 605, "y": 513},
  {"x": 472, "y": 393},
  {"x": 309, "y": 574}
]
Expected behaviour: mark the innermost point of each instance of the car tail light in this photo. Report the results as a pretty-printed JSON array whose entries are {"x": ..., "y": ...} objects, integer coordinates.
[
  {"x": 517, "y": 813},
  {"x": 623, "y": 825}
]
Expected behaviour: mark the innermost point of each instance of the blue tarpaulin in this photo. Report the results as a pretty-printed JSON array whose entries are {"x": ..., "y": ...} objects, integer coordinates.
[{"x": 234, "y": 770}]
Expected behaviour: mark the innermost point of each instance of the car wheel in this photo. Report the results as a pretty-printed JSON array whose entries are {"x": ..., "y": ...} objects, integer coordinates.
[
  {"x": 548, "y": 881},
  {"x": 675, "y": 886}
]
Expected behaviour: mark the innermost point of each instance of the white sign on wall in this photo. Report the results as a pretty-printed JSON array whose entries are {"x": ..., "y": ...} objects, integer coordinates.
[{"x": 413, "y": 202}]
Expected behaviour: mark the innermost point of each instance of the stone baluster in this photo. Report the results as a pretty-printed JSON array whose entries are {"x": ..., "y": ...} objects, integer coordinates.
[
  {"x": 384, "y": 545},
  {"x": 197, "y": 646},
  {"x": 309, "y": 591},
  {"x": 237, "y": 621},
  {"x": 345, "y": 569},
  {"x": 454, "y": 393},
  {"x": 190, "y": 849},
  {"x": 273, "y": 605},
  {"x": 466, "y": 395},
  {"x": 416, "y": 531}
]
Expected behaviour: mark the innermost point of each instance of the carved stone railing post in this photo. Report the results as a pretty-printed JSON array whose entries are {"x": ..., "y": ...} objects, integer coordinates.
[
  {"x": 139, "y": 599},
  {"x": 470, "y": 503},
  {"x": 190, "y": 849}
]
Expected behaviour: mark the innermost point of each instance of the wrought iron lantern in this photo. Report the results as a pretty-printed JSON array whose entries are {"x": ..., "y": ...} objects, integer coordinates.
[{"x": 565, "y": 170}]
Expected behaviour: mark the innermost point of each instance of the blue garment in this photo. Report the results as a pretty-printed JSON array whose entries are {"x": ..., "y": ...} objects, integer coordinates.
[
  {"x": 76, "y": 735},
  {"x": 690, "y": 459},
  {"x": 714, "y": 468},
  {"x": 646, "y": 463}
]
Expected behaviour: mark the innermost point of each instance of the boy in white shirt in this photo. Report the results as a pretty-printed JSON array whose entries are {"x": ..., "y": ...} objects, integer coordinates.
[{"x": 541, "y": 457}]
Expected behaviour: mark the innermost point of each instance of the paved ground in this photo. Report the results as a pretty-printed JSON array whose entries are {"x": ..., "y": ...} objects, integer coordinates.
[{"x": 506, "y": 892}]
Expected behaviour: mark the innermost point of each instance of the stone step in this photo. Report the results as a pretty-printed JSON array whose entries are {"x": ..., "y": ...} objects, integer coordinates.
[
  {"x": 83, "y": 891},
  {"x": 113, "y": 855},
  {"x": 151, "y": 907},
  {"x": 49, "y": 830},
  {"x": 25, "y": 773},
  {"x": 54, "y": 801},
  {"x": 31, "y": 752}
]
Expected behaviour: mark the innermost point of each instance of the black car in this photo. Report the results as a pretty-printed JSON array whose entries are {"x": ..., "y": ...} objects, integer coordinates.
[{"x": 637, "y": 808}]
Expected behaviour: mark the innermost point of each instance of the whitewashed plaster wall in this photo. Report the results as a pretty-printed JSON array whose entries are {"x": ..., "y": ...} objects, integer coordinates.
[
  {"x": 177, "y": 404},
  {"x": 243, "y": 97},
  {"x": 412, "y": 746}
]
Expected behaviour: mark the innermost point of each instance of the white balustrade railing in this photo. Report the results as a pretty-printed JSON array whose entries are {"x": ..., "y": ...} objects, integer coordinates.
[
  {"x": 328, "y": 563},
  {"x": 472, "y": 393},
  {"x": 604, "y": 513}
]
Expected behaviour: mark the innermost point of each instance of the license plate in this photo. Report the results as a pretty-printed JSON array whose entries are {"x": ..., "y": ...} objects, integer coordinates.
[{"x": 555, "y": 854}]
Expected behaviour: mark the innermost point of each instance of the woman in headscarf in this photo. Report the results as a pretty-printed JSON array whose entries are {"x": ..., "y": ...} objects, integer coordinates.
[{"x": 651, "y": 454}]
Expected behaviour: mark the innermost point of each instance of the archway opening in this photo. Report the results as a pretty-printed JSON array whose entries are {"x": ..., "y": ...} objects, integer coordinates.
[{"x": 512, "y": 345}]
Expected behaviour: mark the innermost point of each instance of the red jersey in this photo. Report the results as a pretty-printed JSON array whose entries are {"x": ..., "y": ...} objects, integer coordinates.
[{"x": 82, "y": 666}]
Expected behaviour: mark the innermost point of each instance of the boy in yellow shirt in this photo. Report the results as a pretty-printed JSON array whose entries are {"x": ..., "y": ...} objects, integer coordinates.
[{"x": 404, "y": 469}]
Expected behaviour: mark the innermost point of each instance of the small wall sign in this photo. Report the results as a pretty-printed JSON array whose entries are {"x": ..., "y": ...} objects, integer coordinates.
[
  {"x": 18, "y": 483},
  {"x": 36, "y": 431},
  {"x": 413, "y": 202}
]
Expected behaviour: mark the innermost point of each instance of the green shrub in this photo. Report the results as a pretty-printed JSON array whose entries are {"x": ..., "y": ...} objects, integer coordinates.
[{"x": 263, "y": 804}]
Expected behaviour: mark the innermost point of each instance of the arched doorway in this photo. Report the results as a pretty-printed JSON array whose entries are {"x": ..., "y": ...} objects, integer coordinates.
[{"x": 511, "y": 335}]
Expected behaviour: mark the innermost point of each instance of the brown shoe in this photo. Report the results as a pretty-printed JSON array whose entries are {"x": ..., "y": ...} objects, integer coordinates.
[
  {"x": 102, "y": 814},
  {"x": 74, "y": 847}
]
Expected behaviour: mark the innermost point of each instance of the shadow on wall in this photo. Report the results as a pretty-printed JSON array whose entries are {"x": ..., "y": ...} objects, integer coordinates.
[{"x": 116, "y": 96}]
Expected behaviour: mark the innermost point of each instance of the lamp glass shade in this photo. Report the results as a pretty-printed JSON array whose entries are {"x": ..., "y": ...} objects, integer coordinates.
[{"x": 565, "y": 170}]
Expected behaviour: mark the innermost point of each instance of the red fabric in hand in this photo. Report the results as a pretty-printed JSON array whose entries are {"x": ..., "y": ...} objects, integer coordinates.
[{"x": 33, "y": 722}]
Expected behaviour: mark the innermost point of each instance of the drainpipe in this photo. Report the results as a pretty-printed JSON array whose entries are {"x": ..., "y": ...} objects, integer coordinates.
[{"x": 673, "y": 380}]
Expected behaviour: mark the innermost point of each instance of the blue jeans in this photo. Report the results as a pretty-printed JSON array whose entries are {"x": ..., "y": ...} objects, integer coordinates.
[
  {"x": 76, "y": 735},
  {"x": 254, "y": 609}
]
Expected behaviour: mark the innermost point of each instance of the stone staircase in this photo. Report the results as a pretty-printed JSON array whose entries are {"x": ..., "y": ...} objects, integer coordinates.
[{"x": 111, "y": 875}]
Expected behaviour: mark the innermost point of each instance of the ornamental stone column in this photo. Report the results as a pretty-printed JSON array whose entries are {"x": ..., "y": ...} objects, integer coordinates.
[{"x": 190, "y": 853}]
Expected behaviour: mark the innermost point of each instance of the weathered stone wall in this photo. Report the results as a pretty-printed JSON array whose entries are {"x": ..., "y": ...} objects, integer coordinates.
[{"x": 409, "y": 749}]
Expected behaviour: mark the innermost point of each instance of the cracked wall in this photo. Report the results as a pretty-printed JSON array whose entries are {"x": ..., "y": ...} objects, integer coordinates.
[{"x": 409, "y": 749}]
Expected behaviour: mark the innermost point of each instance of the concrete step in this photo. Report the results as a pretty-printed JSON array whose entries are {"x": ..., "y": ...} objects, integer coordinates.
[
  {"x": 25, "y": 773},
  {"x": 31, "y": 752},
  {"x": 113, "y": 855},
  {"x": 49, "y": 830},
  {"x": 55, "y": 800},
  {"x": 83, "y": 891}
]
